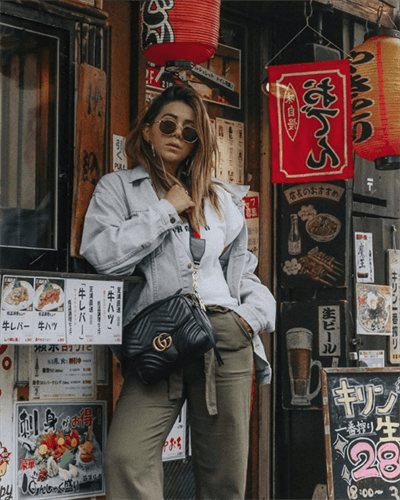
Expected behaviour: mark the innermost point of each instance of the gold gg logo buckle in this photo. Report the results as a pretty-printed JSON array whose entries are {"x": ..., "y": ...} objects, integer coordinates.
[{"x": 162, "y": 342}]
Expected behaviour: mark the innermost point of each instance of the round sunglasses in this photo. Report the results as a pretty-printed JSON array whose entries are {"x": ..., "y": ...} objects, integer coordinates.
[{"x": 168, "y": 127}]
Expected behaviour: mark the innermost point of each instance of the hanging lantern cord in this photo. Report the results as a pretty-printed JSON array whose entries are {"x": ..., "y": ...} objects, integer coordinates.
[
  {"x": 379, "y": 14},
  {"x": 366, "y": 27},
  {"x": 308, "y": 17},
  {"x": 307, "y": 25}
]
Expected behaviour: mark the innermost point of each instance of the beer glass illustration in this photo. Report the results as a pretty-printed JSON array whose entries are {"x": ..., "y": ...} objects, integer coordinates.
[{"x": 299, "y": 348}]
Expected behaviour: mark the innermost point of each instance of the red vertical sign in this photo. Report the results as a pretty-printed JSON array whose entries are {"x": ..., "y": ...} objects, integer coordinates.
[{"x": 310, "y": 113}]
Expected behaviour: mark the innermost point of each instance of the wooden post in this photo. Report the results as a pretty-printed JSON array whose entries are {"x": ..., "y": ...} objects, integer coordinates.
[{"x": 89, "y": 145}]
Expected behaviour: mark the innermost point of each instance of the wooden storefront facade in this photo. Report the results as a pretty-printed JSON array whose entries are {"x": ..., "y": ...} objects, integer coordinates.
[{"x": 88, "y": 82}]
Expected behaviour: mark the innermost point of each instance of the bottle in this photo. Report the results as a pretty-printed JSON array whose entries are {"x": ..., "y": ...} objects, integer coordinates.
[{"x": 294, "y": 242}]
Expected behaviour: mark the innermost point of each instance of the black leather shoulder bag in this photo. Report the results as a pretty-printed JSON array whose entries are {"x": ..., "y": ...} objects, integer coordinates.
[{"x": 170, "y": 333}]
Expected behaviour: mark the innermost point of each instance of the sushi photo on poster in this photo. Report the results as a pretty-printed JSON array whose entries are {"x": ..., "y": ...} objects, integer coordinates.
[{"x": 59, "y": 449}]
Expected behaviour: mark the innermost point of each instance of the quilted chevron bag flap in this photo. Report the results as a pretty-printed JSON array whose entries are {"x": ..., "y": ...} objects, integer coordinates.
[{"x": 170, "y": 333}]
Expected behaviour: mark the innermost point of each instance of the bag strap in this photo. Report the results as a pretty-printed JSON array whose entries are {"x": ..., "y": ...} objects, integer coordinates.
[
  {"x": 197, "y": 248},
  {"x": 197, "y": 245}
]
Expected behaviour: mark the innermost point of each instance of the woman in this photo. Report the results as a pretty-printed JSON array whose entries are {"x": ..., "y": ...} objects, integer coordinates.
[{"x": 137, "y": 222}]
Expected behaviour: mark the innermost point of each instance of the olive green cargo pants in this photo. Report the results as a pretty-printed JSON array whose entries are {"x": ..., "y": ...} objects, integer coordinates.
[{"x": 145, "y": 415}]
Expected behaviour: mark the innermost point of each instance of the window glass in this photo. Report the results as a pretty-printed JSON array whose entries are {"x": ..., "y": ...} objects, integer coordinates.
[{"x": 28, "y": 138}]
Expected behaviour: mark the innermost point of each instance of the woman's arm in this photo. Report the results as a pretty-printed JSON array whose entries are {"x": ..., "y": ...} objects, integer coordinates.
[
  {"x": 257, "y": 304},
  {"x": 114, "y": 241}
]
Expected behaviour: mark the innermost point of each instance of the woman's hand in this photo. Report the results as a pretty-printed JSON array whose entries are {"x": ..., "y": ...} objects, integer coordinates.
[{"x": 179, "y": 198}]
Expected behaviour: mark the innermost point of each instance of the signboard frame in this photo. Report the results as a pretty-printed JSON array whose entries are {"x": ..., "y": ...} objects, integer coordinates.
[
  {"x": 312, "y": 253},
  {"x": 209, "y": 78},
  {"x": 375, "y": 481},
  {"x": 78, "y": 472}
]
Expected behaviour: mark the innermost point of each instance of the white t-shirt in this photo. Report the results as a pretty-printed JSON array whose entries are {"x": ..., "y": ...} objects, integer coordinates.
[{"x": 220, "y": 231}]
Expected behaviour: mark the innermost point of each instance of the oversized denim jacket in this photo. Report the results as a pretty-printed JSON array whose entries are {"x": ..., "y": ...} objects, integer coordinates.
[{"x": 128, "y": 229}]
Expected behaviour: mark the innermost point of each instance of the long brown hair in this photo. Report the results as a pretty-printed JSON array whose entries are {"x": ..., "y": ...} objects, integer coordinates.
[{"x": 194, "y": 172}]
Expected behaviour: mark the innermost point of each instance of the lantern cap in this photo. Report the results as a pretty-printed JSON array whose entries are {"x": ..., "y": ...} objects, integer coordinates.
[
  {"x": 180, "y": 65},
  {"x": 382, "y": 31},
  {"x": 388, "y": 163}
]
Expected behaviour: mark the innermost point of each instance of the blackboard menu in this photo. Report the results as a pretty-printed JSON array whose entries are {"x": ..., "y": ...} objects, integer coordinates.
[{"x": 361, "y": 410}]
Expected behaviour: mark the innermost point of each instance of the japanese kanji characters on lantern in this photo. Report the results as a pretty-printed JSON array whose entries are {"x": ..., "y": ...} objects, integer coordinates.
[
  {"x": 178, "y": 30},
  {"x": 375, "y": 88}
]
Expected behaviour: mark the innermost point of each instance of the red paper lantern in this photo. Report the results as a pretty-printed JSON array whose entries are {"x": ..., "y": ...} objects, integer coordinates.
[
  {"x": 180, "y": 33},
  {"x": 375, "y": 90}
]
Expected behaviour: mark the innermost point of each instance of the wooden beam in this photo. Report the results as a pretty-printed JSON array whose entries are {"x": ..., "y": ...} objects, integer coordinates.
[
  {"x": 369, "y": 10},
  {"x": 391, "y": 3}
]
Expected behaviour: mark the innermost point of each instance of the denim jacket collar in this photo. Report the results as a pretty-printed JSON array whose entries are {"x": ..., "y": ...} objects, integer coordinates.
[{"x": 138, "y": 173}]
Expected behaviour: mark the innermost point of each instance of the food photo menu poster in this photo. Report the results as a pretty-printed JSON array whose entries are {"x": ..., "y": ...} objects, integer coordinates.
[
  {"x": 312, "y": 235},
  {"x": 59, "y": 449},
  {"x": 7, "y": 381},
  {"x": 32, "y": 310},
  {"x": 374, "y": 309},
  {"x": 41, "y": 310}
]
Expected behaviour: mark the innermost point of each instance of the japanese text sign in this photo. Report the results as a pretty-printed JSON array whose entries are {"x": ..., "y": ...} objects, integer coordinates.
[
  {"x": 94, "y": 312},
  {"x": 7, "y": 381},
  {"x": 175, "y": 443},
  {"x": 252, "y": 216},
  {"x": 60, "y": 372},
  {"x": 310, "y": 114},
  {"x": 58, "y": 449},
  {"x": 393, "y": 259},
  {"x": 364, "y": 257},
  {"x": 40, "y": 310},
  {"x": 329, "y": 330},
  {"x": 362, "y": 432}
]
